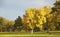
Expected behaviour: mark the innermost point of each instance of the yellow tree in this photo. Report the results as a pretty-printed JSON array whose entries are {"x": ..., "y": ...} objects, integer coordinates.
[
  {"x": 28, "y": 18},
  {"x": 42, "y": 16},
  {"x": 36, "y": 17}
]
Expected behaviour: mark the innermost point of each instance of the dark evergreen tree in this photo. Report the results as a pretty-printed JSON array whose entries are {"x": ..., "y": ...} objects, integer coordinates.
[
  {"x": 18, "y": 23},
  {"x": 56, "y": 14},
  {"x": 56, "y": 6}
]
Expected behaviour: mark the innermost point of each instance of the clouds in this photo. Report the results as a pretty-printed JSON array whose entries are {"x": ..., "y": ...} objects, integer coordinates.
[
  {"x": 12, "y": 8},
  {"x": 28, "y": 3}
]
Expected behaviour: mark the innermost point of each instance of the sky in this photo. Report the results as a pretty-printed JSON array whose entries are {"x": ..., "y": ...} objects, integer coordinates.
[{"x": 11, "y": 9}]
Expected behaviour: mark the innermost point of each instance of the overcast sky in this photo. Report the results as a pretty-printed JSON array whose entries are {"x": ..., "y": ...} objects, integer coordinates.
[{"x": 10, "y": 9}]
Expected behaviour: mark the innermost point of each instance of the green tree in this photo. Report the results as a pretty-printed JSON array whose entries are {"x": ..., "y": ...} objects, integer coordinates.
[
  {"x": 18, "y": 24},
  {"x": 56, "y": 7},
  {"x": 56, "y": 14},
  {"x": 10, "y": 26},
  {"x": 3, "y": 23}
]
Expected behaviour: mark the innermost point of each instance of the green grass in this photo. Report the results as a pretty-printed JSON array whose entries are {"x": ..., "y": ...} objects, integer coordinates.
[{"x": 28, "y": 34}]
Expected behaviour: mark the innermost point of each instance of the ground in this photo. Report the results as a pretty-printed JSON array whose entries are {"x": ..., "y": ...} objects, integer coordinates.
[{"x": 38, "y": 34}]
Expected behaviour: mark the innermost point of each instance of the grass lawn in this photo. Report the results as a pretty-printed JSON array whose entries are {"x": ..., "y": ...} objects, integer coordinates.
[{"x": 39, "y": 34}]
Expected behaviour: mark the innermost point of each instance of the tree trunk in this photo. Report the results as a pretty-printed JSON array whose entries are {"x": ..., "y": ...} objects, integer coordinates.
[{"x": 32, "y": 31}]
